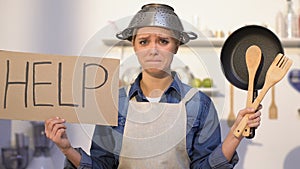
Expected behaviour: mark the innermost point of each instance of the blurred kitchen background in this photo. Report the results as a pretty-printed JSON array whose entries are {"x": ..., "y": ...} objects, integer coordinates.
[{"x": 87, "y": 27}]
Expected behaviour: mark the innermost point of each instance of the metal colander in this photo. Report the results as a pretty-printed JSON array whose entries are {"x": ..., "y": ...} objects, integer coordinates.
[{"x": 159, "y": 15}]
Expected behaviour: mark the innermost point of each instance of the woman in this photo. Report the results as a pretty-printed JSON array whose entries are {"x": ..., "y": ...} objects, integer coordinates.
[{"x": 162, "y": 123}]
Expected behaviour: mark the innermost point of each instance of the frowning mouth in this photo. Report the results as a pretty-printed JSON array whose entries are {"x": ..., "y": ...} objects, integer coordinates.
[{"x": 153, "y": 61}]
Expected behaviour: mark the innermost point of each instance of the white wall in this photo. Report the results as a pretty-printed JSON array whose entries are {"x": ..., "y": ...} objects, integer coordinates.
[{"x": 64, "y": 27}]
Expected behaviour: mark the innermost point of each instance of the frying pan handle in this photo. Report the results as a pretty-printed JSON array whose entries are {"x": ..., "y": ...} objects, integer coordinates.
[
  {"x": 252, "y": 129},
  {"x": 251, "y": 133}
]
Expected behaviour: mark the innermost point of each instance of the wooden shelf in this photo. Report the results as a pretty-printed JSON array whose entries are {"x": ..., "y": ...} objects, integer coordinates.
[
  {"x": 218, "y": 42},
  {"x": 291, "y": 43},
  {"x": 209, "y": 42}
]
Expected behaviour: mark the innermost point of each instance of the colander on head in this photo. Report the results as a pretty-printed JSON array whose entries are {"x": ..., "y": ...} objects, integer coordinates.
[{"x": 158, "y": 15}]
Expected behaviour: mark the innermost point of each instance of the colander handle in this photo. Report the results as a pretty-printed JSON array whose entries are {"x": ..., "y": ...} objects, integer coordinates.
[
  {"x": 119, "y": 35},
  {"x": 192, "y": 35}
]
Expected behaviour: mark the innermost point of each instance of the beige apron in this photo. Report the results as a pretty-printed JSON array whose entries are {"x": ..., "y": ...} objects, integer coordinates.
[{"x": 155, "y": 135}]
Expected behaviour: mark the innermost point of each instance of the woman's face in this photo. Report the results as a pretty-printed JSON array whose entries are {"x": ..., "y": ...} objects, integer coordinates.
[{"x": 155, "y": 48}]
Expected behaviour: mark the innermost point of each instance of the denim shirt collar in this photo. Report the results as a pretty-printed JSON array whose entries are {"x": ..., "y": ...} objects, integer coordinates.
[{"x": 175, "y": 87}]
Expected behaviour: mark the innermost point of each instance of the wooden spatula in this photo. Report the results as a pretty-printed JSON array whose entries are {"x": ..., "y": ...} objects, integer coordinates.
[
  {"x": 273, "y": 111},
  {"x": 275, "y": 73},
  {"x": 231, "y": 116}
]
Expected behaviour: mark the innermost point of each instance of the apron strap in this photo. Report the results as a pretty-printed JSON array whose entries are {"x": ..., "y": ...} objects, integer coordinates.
[
  {"x": 189, "y": 95},
  {"x": 127, "y": 89}
]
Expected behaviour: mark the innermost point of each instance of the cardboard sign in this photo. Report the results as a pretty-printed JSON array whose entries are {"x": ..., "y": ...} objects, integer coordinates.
[{"x": 79, "y": 89}]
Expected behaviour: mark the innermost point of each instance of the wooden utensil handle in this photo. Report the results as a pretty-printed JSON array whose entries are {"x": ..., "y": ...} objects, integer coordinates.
[
  {"x": 250, "y": 132},
  {"x": 273, "y": 95},
  {"x": 231, "y": 88},
  {"x": 240, "y": 128}
]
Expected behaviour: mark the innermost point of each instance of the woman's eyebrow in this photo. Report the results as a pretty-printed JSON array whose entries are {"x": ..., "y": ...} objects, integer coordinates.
[{"x": 143, "y": 34}]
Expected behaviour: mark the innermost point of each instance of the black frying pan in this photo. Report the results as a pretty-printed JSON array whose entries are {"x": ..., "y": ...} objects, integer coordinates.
[
  {"x": 233, "y": 52},
  {"x": 234, "y": 49}
]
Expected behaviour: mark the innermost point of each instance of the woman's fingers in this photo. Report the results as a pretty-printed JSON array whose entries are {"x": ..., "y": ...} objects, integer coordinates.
[
  {"x": 49, "y": 124},
  {"x": 53, "y": 125},
  {"x": 245, "y": 111},
  {"x": 55, "y": 130},
  {"x": 254, "y": 119},
  {"x": 254, "y": 116},
  {"x": 251, "y": 111}
]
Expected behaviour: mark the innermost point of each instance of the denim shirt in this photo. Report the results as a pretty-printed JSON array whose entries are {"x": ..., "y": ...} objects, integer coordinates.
[{"x": 203, "y": 137}]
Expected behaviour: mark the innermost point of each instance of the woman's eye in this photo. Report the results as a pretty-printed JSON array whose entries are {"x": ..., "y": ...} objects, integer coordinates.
[
  {"x": 143, "y": 42},
  {"x": 164, "y": 41}
]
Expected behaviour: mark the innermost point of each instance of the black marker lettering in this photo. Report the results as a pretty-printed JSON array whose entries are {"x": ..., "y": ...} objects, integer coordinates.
[
  {"x": 16, "y": 83},
  {"x": 84, "y": 87},
  {"x": 59, "y": 89},
  {"x": 39, "y": 83}
]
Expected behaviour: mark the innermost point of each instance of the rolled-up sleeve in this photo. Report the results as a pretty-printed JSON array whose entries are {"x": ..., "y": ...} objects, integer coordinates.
[
  {"x": 85, "y": 162},
  {"x": 218, "y": 160},
  {"x": 100, "y": 159}
]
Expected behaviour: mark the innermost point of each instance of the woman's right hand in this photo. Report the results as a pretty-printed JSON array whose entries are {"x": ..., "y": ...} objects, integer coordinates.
[{"x": 55, "y": 130}]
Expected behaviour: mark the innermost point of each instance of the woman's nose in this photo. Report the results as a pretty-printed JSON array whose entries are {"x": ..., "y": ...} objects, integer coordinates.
[{"x": 153, "y": 48}]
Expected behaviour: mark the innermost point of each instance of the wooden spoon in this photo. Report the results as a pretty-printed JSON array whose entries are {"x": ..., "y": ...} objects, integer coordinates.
[
  {"x": 273, "y": 112},
  {"x": 231, "y": 117},
  {"x": 253, "y": 58}
]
